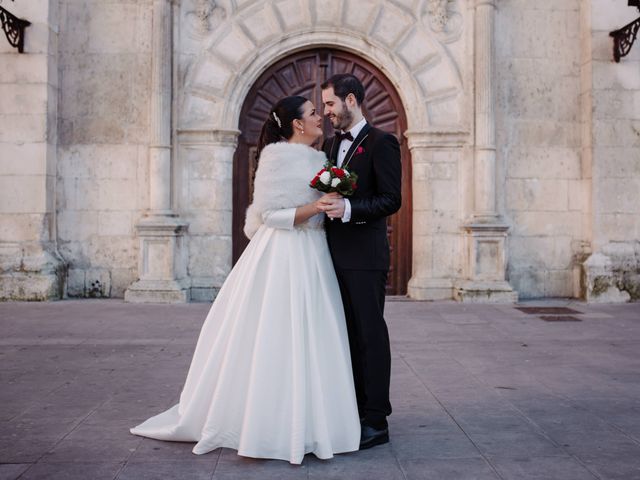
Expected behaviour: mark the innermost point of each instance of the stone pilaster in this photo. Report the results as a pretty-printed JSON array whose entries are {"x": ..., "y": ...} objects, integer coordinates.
[
  {"x": 30, "y": 266},
  {"x": 435, "y": 159},
  {"x": 162, "y": 262},
  {"x": 486, "y": 233}
]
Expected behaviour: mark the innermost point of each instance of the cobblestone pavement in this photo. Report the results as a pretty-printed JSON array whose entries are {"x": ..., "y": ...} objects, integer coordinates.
[{"x": 479, "y": 392}]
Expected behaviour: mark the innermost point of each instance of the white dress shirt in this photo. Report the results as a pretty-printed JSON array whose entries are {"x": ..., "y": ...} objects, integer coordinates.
[{"x": 343, "y": 148}]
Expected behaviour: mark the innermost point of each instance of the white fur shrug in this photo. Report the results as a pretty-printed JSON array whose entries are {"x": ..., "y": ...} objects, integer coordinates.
[{"x": 282, "y": 180}]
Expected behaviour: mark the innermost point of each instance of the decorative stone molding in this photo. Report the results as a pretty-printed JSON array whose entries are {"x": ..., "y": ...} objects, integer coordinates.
[
  {"x": 486, "y": 232},
  {"x": 219, "y": 74},
  {"x": 194, "y": 136},
  {"x": 162, "y": 264},
  {"x": 444, "y": 20}
]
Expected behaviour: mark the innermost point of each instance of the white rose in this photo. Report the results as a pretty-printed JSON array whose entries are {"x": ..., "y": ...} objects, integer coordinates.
[
  {"x": 335, "y": 182},
  {"x": 325, "y": 178}
]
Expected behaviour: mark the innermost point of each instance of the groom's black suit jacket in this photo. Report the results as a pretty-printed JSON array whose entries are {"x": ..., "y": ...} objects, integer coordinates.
[{"x": 361, "y": 244}]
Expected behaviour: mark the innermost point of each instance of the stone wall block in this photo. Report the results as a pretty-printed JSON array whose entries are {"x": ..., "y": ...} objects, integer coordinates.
[
  {"x": 528, "y": 282},
  {"x": 22, "y": 227},
  {"x": 262, "y": 24},
  {"x": 23, "y": 128},
  {"x": 618, "y": 195},
  {"x": 21, "y": 99},
  {"x": 360, "y": 15},
  {"x": 527, "y": 223},
  {"x": 115, "y": 223},
  {"x": 75, "y": 282},
  {"x": 10, "y": 254},
  {"x": 327, "y": 13},
  {"x": 446, "y": 111},
  {"x": 121, "y": 278},
  {"x": 212, "y": 75},
  {"x": 23, "y": 194},
  {"x": 74, "y": 225},
  {"x": 392, "y": 23},
  {"x": 24, "y": 159},
  {"x": 234, "y": 45},
  {"x": 616, "y": 76},
  {"x": 617, "y": 227},
  {"x": 293, "y": 14},
  {"x": 543, "y": 162},
  {"x": 23, "y": 69},
  {"x": 445, "y": 195},
  {"x": 110, "y": 27},
  {"x": 537, "y": 194},
  {"x": 113, "y": 251},
  {"x": 117, "y": 194},
  {"x": 418, "y": 50},
  {"x": 210, "y": 256},
  {"x": 87, "y": 195},
  {"x": 208, "y": 222},
  {"x": 445, "y": 249}
]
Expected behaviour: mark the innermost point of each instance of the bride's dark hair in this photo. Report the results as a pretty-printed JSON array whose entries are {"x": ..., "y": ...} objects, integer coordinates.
[{"x": 279, "y": 124}]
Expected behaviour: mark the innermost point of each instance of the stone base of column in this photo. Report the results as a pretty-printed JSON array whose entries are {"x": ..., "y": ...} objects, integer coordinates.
[
  {"x": 162, "y": 265},
  {"x": 158, "y": 291},
  {"x": 31, "y": 273},
  {"x": 485, "y": 292},
  {"x": 430, "y": 289},
  {"x": 485, "y": 271}
]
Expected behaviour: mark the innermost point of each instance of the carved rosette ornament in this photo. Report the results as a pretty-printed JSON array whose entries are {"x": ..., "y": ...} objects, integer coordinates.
[
  {"x": 438, "y": 15},
  {"x": 443, "y": 19},
  {"x": 205, "y": 16}
]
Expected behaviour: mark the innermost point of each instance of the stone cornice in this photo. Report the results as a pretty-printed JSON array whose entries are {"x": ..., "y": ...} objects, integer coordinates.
[
  {"x": 208, "y": 136},
  {"x": 441, "y": 138}
]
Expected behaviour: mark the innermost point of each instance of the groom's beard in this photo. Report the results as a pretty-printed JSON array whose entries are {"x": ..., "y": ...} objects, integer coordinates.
[{"x": 343, "y": 120}]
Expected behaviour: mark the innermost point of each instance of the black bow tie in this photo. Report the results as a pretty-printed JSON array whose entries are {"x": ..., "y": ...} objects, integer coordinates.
[{"x": 344, "y": 136}]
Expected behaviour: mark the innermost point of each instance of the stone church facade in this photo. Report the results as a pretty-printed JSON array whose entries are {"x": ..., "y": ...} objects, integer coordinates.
[{"x": 127, "y": 141}]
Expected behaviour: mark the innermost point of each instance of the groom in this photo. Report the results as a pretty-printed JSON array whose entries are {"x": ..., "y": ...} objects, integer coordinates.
[{"x": 357, "y": 237}]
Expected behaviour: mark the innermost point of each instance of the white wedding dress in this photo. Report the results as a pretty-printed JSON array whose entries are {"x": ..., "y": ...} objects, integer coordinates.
[{"x": 271, "y": 374}]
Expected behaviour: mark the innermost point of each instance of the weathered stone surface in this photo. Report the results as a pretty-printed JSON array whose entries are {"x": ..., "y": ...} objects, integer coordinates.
[{"x": 74, "y": 162}]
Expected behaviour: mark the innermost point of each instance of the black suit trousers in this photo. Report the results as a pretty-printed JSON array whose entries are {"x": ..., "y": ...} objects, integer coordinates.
[{"x": 363, "y": 294}]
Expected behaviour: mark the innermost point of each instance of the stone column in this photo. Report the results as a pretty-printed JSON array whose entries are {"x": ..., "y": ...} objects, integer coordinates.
[
  {"x": 162, "y": 262},
  {"x": 435, "y": 157},
  {"x": 30, "y": 266},
  {"x": 486, "y": 232}
]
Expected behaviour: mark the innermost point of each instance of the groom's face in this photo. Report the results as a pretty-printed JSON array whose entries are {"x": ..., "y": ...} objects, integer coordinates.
[{"x": 337, "y": 110}]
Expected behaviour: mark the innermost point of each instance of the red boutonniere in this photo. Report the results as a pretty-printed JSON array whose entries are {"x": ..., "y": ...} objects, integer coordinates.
[{"x": 359, "y": 150}]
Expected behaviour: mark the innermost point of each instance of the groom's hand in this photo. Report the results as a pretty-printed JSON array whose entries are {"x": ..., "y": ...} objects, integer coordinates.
[{"x": 333, "y": 205}]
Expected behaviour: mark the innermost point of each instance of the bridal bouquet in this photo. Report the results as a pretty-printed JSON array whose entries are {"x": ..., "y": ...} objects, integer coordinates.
[{"x": 334, "y": 179}]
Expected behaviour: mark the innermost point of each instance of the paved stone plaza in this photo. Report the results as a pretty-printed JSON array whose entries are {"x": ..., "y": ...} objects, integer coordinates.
[{"x": 479, "y": 392}]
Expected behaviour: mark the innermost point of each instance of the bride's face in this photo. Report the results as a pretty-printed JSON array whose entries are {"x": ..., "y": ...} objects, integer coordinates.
[{"x": 310, "y": 123}]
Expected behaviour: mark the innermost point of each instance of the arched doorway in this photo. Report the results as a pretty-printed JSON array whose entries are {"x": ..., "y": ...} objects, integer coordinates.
[{"x": 302, "y": 73}]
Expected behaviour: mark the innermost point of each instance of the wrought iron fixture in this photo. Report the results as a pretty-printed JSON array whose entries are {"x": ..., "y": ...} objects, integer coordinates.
[
  {"x": 623, "y": 38},
  {"x": 13, "y": 28}
]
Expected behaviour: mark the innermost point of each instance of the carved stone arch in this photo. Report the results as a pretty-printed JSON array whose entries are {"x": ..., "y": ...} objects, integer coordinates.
[
  {"x": 302, "y": 73},
  {"x": 416, "y": 62},
  {"x": 430, "y": 72}
]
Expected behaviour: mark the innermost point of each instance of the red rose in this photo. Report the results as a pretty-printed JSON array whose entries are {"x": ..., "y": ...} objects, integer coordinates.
[
  {"x": 359, "y": 150},
  {"x": 315, "y": 180},
  {"x": 320, "y": 172},
  {"x": 338, "y": 172}
]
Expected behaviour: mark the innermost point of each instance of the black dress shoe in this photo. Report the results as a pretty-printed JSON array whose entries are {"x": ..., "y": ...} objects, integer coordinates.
[{"x": 370, "y": 437}]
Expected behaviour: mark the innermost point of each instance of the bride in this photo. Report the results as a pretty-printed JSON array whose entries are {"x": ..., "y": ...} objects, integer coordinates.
[{"x": 271, "y": 373}]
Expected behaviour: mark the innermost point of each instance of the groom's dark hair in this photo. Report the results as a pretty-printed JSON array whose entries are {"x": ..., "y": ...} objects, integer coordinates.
[{"x": 343, "y": 84}]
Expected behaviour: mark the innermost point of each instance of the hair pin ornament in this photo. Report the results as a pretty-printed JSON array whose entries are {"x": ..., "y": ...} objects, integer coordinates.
[{"x": 275, "y": 117}]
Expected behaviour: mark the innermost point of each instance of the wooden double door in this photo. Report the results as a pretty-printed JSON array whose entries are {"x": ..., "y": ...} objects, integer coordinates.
[{"x": 302, "y": 74}]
